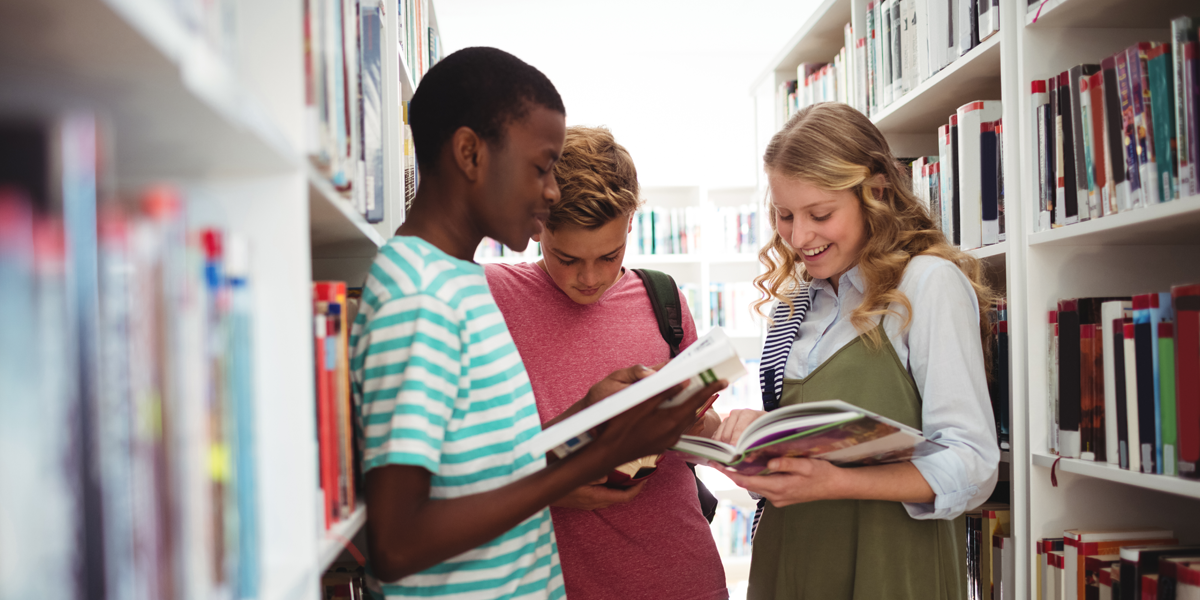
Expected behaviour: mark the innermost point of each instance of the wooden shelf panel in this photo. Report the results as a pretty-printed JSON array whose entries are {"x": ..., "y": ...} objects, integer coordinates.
[
  {"x": 1171, "y": 224},
  {"x": 337, "y": 536},
  {"x": 176, "y": 109},
  {"x": 335, "y": 228},
  {"x": 975, "y": 76},
  {"x": 1107, "y": 14},
  {"x": 1102, "y": 470}
]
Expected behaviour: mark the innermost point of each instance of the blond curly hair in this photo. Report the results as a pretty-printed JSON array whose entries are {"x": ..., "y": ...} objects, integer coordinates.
[
  {"x": 835, "y": 147},
  {"x": 597, "y": 180}
]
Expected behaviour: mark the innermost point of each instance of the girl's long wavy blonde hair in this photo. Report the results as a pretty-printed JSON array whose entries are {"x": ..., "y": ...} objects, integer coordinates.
[{"x": 834, "y": 147}]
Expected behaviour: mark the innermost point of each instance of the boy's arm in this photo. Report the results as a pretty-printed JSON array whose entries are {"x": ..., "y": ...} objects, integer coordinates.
[{"x": 408, "y": 532}]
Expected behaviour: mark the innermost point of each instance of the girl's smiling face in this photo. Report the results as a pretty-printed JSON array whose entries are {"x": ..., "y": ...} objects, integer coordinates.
[{"x": 826, "y": 228}]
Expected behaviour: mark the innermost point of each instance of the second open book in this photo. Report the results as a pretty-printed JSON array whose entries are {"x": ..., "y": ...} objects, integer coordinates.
[{"x": 831, "y": 430}]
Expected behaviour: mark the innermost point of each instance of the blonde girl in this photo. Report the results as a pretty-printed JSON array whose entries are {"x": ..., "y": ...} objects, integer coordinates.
[{"x": 875, "y": 308}]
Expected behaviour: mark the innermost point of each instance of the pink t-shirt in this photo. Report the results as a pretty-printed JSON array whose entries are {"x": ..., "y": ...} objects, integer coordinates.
[{"x": 658, "y": 546}]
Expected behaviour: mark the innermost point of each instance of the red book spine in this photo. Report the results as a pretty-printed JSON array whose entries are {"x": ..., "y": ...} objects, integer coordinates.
[
  {"x": 1186, "y": 300},
  {"x": 333, "y": 422},
  {"x": 323, "y": 416}
]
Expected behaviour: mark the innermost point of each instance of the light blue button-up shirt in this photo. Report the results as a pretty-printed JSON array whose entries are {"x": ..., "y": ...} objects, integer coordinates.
[{"x": 945, "y": 358}]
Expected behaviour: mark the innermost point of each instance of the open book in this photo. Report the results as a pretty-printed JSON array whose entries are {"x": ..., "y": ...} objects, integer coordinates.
[
  {"x": 832, "y": 430},
  {"x": 710, "y": 358}
]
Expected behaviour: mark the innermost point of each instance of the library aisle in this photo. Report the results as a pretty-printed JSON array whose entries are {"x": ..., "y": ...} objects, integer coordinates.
[{"x": 192, "y": 193}]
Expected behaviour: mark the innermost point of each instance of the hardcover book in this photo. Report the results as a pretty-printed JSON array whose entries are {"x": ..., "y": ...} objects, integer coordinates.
[
  {"x": 1082, "y": 543},
  {"x": 1112, "y": 319},
  {"x": 1140, "y": 560},
  {"x": 1186, "y": 299},
  {"x": 831, "y": 430}
]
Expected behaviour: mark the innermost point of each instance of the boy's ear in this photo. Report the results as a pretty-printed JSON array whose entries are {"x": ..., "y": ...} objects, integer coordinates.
[
  {"x": 537, "y": 237},
  {"x": 469, "y": 152}
]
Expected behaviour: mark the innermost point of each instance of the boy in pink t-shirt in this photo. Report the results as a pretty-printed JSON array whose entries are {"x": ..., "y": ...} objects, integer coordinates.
[{"x": 575, "y": 316}]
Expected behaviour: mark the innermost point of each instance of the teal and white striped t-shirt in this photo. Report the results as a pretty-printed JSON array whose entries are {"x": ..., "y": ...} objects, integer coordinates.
[{"x": 439, "y": 384}]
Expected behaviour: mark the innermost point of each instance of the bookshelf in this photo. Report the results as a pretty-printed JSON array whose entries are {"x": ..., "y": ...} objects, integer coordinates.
[
  {"x": 1131, "y": 252},
  {"x": 218, "y": 112}
]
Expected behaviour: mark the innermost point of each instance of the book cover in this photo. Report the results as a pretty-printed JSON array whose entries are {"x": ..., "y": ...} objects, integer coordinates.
[
  {"x": 1075, "y": 77},
  {"x": 1161, "y": 96},
  {"x": 1093, "y": 568},
  {"x": 1129, "y": 133},
  {"x": 1068, "y": 173},
  {"x": 1098, "y": 191},
  {"x": 831, "y": 430},
  {"x": 1082, "y": 543},
  {"x": 1114, "y": 149},
  {"x": 1166, "y": 381},
  {"x": 971, "y": 117},
  {"x": 708, "y": 359},
  {"x": 325, "y": 432},
  {"x": 1183, "y": 31},
  {"x": 1004, "y": 576},
  {"x": 1186, "y": 299},
  {"x": 1173, "y": 579},
  {"x": 1112, "y": 316},
  {"x": 1038, "y": 100},
  {"x": 1140, "y": 560},
  {"x": 968, "y": 25}
]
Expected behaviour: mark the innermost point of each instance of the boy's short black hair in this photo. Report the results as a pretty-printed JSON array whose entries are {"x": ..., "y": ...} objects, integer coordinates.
[{"x": 481, "y": 88}]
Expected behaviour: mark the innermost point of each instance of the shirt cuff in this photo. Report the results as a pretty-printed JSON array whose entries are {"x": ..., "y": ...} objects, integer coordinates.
[{"x": 952, "y": 488}]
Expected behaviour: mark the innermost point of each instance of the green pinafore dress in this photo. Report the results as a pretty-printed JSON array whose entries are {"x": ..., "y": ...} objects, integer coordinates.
[{"x": 858, "y": 549}]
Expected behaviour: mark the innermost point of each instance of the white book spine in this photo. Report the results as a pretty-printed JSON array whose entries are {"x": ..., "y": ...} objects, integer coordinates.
[
  {"x": 1131, "y": 407},
  {"x": 1038, "y": 98},
  {"x": 946, "y": 175},
  {"x": 1110, "y": 312},
  {"x": 1070, "y": 572}
]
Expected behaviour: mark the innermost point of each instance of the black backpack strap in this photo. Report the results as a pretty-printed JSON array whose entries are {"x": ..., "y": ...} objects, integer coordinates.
[
  {"x": 664, "y": 297},
  {"x": 668, "y": 310}
]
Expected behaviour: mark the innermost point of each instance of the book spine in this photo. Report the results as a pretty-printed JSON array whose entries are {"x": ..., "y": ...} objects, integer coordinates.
[
  {"x": 1038, "y": 101},
  {"x": 1110, "y": 312},
  {"x": 1052, "y": 367},
  {"x": 1144, "y": 341},
  {"x": 1078, "y": 151},
  {"x": 989, "y": 184},
  {"x": 1052, "y": 154},
  {"x": 1132, "y": 413},
  {"x": 1129, "y": 134},
  {"x": 1162, "y": 92},
  {"x": 1166, "y": 378},
  {"x": 1144, "y": 118},
  {"x": 1191, "y": 67},
  {"x": 1089, "y": 172},
  {"x": 1186, "y": 300},
  {"x": 1069, "y": 173},
  {"x": 1098, "y": 148},
  {"x": 1114, "y": 153},
  {"x": 1121, "y": 385},
  {"x": 1087, "y": 374},
  {"x": 1069, "y": 402},
  {"x": 1182, "y": 31},
  {"x": 956, "y": 184}
]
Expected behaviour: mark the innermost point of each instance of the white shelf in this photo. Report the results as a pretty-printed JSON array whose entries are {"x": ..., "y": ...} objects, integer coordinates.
[
  {"x": 990, "y": 253},
  {"x": 337, "y": 536},
  {"x": 1103, "y": 470},
  {"x": 176, "y": 109},
  {"x": 407, "y": 87},
  {"x": 661, "y": 259},
  {"x": 975, "y": 76},
  {"x": 335, "y": 228},
  {"x": 1171, "y": 223},
  {"x": 1106, "y": 14}
]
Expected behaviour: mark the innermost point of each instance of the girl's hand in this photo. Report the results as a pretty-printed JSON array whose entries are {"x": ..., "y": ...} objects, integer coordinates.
[
  {"x": 732, "y": 427},
  {"x": 795, "y": 480}
]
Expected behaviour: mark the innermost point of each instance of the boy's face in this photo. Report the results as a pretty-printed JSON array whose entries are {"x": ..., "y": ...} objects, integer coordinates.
[
  {"x": 519, "y": 186},
  {"x": 584, "y": 263}
]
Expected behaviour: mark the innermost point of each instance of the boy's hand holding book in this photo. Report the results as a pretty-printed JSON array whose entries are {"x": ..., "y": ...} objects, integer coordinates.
[{"x": 596, "y": 495}]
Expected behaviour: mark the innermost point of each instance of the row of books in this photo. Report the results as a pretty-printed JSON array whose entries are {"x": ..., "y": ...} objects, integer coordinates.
[
  {"x": 732, "y": 529},
  {"x": 691, "y": 230},
  {"x": 420, "y": 42},
  {"x": 344, "y": 582},
  {"x": 338, "y": 451},
  {"x": 130, "y": 343},
  {"x": 1137, "y": 563},
  {"x": 991, "y": 553},
  {"x": 730, "y": 305},
  {"x": 346, "y": 115},
  {"x": 1119, "y": 135},
  {"x": 1125, "y": 380},
  {"x": 903, "y": 43},
  {"x": 963, "y": 186}
]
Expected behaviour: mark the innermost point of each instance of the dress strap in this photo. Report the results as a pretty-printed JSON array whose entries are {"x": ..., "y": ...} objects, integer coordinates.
[{"x": 785, "y": 326}]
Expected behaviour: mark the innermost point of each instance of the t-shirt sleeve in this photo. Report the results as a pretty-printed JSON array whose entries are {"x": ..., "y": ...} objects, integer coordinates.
[{"x": 409, "y": 365}]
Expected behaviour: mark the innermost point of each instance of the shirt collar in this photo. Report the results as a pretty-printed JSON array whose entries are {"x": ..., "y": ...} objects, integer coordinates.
[{"x": 853, "y": 277}]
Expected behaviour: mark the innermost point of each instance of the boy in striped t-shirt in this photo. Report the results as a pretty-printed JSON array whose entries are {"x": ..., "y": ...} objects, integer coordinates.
[{"x": 455, "y": 509}]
